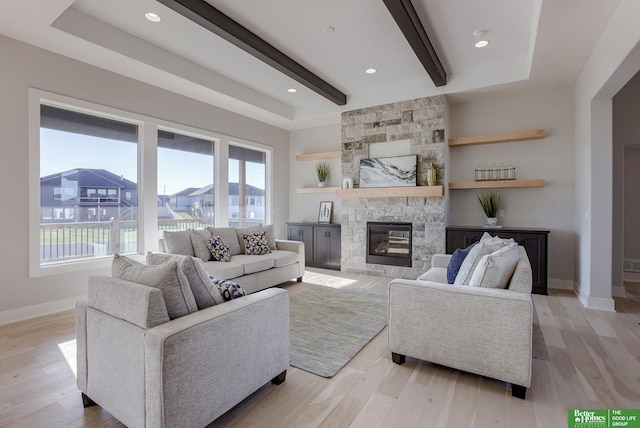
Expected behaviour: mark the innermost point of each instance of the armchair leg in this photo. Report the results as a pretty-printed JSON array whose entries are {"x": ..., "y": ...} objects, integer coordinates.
[
  {"x": 518, "y": 391},
  {"x": 299, "y": 279},
  {"x": 87, "y": 402},
  {"x": 398, "y": 358},
  {"x": 280, "y": 378}
]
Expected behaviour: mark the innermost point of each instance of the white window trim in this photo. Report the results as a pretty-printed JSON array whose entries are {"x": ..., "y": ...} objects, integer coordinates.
[{"x": 147, "y": 176}]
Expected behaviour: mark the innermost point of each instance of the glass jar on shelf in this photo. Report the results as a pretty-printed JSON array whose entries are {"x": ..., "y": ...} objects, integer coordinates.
[{"x": 502, "y": 172}]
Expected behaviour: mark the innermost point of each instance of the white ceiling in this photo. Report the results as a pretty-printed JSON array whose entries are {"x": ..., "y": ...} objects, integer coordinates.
[{"x": 533, "y": 44}]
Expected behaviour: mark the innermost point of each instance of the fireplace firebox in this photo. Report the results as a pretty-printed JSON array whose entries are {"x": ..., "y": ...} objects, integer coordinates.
[{"x": 389, "y": 243}]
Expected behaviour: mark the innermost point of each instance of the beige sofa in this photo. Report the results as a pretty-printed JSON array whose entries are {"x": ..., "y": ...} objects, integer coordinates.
[
  {"x": 253, "y": 272},
  {"x": 486, "y": 331},
  {"x": 150, "y": 371}
]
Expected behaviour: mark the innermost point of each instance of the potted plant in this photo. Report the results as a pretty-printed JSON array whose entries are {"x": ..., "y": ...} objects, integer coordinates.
[
  {"x": 322, "y": 171},
  {"x": 490, "y": 202}
]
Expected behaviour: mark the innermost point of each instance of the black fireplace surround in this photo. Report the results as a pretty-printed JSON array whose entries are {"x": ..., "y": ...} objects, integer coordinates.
[{"x": 389, "y": 243}]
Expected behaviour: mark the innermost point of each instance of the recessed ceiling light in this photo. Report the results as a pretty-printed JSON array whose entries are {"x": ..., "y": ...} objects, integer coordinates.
[
  {"x": 328, "y": 29},
  {"x": 153, "y": 17},
  {"x": 370, "y": 70},
  {"x": 481, "y": 43},
  {"x": 292, "y": 90}
]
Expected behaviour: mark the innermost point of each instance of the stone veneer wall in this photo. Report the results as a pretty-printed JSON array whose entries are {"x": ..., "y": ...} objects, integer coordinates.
[{"x": 422, "y": 121}]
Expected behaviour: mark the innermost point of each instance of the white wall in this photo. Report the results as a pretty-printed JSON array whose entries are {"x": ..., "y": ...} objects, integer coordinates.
[
  {"x": 304, "y": 207},
  {"x": 615, "y": 59},
  {"x": 23, "y": 66},
  {"x": 550, "y": 207}
]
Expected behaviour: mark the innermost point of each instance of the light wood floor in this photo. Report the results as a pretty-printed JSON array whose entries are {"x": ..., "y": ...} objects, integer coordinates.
[{"x": 582, "y": 359}]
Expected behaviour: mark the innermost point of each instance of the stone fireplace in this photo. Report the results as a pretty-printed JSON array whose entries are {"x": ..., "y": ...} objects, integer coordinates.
[{"x": 418, "y": 128}]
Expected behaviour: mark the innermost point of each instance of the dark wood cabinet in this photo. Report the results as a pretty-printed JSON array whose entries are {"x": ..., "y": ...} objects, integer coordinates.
[
  {"x": 534, "y": 241},
  {"x": 322, "y": 243}
]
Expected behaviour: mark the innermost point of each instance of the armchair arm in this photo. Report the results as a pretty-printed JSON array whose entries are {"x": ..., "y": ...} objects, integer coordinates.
[
  {"x": 200, "y": 365},
  {"x": 481, "y": 330},
  {"x": 136, "y": 303},
  {"x": 440, "y": 260}
]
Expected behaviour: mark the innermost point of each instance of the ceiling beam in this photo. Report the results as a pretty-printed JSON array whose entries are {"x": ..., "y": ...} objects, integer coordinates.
[
  {"x": 407, "y": 19},
  {"x": 202, "y": 13}
]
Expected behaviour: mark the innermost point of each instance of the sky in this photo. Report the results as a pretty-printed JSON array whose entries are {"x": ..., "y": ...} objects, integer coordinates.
[{"x": 177, "y": 170}]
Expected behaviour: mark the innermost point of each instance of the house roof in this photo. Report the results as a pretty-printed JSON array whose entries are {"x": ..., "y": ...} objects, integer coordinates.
[
  {"x": 233, "y": 190},
  {"x": 87, "y": 177}
]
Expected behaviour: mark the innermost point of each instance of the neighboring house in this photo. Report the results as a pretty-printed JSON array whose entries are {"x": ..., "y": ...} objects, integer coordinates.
[
  {"x": 199, "y": 202},
  {"x": 87, "y": 195}
]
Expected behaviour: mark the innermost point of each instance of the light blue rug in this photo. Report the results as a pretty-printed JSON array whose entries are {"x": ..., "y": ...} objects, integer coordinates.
[{"x": 329, "y": 326}]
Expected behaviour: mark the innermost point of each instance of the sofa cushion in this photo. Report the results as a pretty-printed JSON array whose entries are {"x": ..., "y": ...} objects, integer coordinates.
[
  {"x": 219, "y": 249},
  {"x": 473, "y": 258},
  {"x": 284, "y": 258},
  {"x": 178, "y": 242},
  {"x": 200, "y": 283},
  {"x": 270, "y": 233},
  {"x": 168, "y": 277},
  {"x": 230, "y": 237},
  {"x": 456, "y": 261},
  {"x": 486, "y": 237},
  {"x": 495, "y": 270},
  {"x": 228, "y": 290},
  {"x": 435, "y": 274},
  {"x": 255, "y": 243},
  {"x": 224, "y": 270},
  {"x": 199, "y": 241},
  {"x": 252, "y": 264}
]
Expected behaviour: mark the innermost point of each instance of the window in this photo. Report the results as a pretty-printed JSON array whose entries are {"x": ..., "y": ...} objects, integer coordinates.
[
  {"x": 185, "y": 182},
  {"x": 247, "y": 181},
  {"x": 91, "y": 167},
  {"x": 85, "y": 161}
]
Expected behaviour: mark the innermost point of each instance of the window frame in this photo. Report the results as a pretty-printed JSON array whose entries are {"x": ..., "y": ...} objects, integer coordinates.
[{"x": 147, "y": 176}]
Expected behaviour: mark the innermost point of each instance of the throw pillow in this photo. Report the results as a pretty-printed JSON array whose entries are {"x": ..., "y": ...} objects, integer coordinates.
[
  {"x": 473, "y": 258},
  {"x": 495, "y": 270},
  {"x": 228, "y": 290},
  {"x": 203, "y": 291},
  {"x": 178, "y": 242},
  {"x": 268, "y": 229},
  {"x": 255, "y": 243},
  {"x": 199, "y": 241},
  {"x": 219, "y": 249},
  {"x": 486, "y": 237},
  {"x": 168, "y": 277},
  {"x": 456, "y": 261},
  {"x": 230, "y": 237}
]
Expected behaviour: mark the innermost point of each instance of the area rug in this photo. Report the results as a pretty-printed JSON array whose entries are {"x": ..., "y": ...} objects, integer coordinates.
[{"x": 330, "y": 326}]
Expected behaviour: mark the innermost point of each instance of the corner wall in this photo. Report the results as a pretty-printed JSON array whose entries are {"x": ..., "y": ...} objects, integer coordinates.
[{"x": 24, "y": 66}]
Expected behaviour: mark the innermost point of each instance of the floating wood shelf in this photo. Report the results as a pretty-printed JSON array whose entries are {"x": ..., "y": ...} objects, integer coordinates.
[
  {"x": 502, "y": 184},
  {"x": 391, "y": 192},
  {"x": 321, "y": 155},
  {"x": 535, "y": 134},
  {"x": 317, "y": 190}
]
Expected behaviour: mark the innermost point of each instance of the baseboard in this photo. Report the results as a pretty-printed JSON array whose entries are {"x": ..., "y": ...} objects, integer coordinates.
[
  {"x": 35, "y": 311},
  {"x": 560, "y": 284},
  {"x": 618, "y": 291},
  {"x": 598, "y": 303}
]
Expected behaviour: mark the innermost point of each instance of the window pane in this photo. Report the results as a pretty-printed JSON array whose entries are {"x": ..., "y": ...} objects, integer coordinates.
[
  {"x": 87, "y": 165},
  {"x": 185, "y": 182},
  {"x": 247, "y": 183}
]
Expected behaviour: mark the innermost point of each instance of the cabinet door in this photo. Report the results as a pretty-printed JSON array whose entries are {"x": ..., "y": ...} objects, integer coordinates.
[
  {"x": 304, "y": 234},
  {"x": 536, "y": 248},
  {"x": 327, "y": 246}
]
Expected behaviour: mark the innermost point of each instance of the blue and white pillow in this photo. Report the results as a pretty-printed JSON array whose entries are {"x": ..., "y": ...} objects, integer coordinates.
[
  {"x": 256, "y": 243},
  {"x": 220, "y": 250},
  {"x": 229, "y": 290}
]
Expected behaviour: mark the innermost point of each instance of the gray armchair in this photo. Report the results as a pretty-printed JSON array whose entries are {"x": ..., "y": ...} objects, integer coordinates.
[
  {"x": 486, "y": 331},
  {"x": 149, "y": 371}
]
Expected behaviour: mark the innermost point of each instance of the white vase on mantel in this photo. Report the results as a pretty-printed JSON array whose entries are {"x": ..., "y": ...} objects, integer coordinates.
[{"x": 321, "y": 184}]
